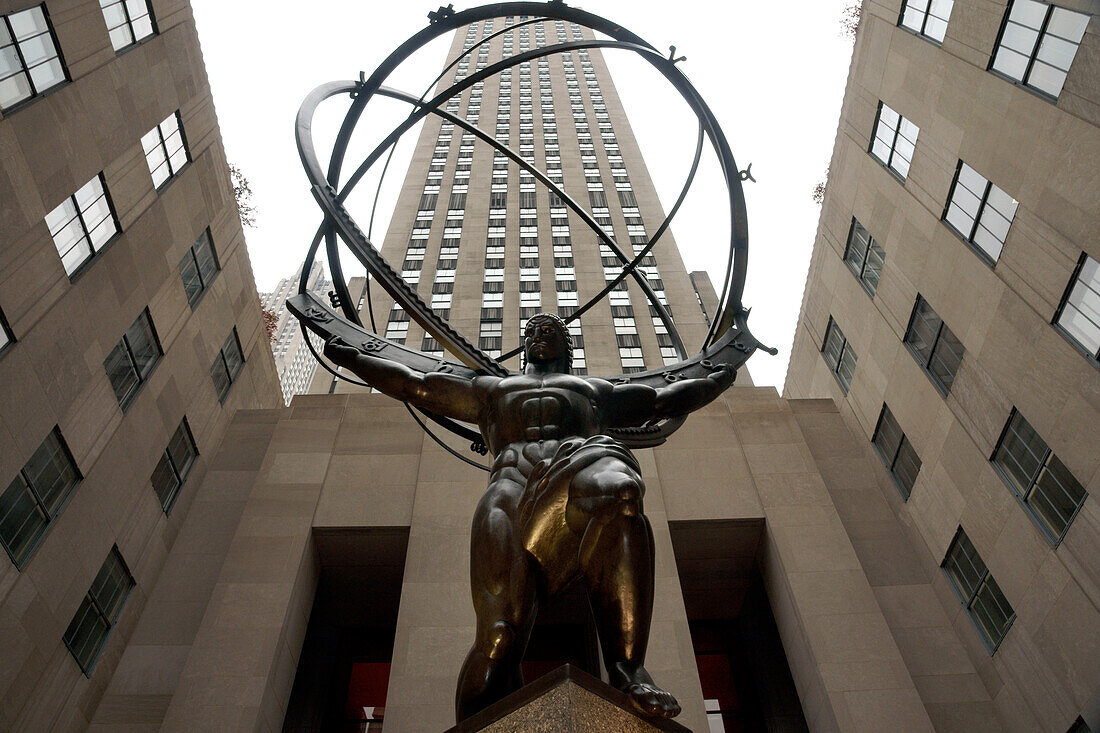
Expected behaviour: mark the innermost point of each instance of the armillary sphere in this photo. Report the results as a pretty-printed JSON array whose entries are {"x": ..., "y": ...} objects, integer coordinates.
[{"x": 728, "y": 341}]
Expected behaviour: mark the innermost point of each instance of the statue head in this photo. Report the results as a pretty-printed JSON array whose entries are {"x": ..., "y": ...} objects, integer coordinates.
[{"x": 546, "y": 341}]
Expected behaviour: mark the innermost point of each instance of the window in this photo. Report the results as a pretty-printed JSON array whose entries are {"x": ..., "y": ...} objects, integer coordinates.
[
  {"x": 896, "y": 452},
  {"x": 227, "y": 365},
  {"x": 98, "y": 612},
  {"x": 933, "y": 345},
  {"x": 1051, "y": 494},
  {"x": 165, "y": 149},
  {"x": 82, "y": 224},
  {"x": 986, "y": 605},
  {"x": 132, "y": 360},
  {"x": 31, "y": 63},
  {"x": 174, "y": 465},
  {"x": 6, "y": 337},
  {"x": 198, "y": 268},
  {"x": 864, "y": 257},
  {"x": 1037, "y": 45},
  {"x": 894, "y": 140},
  {"x": 926, "y": 17},
  {"x": 1079, "y": 313},
  {"x": 979, "y": 212},
  {"x": 838, "y": 354},
  {"x": 127, "y": 22},
  {"x": 35, "y": 496}
]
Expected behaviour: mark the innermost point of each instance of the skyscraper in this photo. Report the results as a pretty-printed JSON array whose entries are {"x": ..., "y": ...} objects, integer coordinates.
[
  {"x": 130, "y": 330},
  {"x": 294, "y": 362},
  {"x": 952, "y": 310},
  {"x": 490, "y": 254}
]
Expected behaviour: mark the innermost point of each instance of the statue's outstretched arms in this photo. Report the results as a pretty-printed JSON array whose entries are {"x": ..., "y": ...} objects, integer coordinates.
[
  {"x": 688, "y": 395},
  {"x": 636, "y": 404},
  {"x": 443, "y": 394}
]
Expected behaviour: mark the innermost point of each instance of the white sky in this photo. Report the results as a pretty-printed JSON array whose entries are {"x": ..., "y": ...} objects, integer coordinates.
[{"x": 773, "y": 74}]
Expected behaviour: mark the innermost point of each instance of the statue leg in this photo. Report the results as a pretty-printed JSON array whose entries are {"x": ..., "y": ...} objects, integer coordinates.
[
  {"x": 616, "y": 558},
  {"x": 504, "y": 600}
]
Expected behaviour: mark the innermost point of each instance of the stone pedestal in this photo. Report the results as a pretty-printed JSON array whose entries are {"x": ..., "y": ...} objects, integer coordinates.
[{"x": 565, "y": 701}]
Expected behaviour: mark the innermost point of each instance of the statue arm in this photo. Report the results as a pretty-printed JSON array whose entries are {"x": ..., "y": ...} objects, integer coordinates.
[
  {"x": 636, "y": 404},
  {"x": 443, "y": 394}
]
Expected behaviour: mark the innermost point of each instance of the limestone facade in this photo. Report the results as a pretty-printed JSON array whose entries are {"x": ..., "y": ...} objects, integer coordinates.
[
  {"x": 1044, "y": 153},
  {"x": 62, "y": 328}
]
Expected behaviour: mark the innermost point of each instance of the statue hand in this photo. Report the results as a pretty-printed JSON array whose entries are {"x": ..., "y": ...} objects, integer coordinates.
[
  {"x": 723, "y": 375},
  {"x": 340, "y": 352}
]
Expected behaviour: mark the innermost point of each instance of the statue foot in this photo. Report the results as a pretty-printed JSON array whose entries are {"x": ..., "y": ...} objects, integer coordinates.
[{"x": 647, "y": 697}]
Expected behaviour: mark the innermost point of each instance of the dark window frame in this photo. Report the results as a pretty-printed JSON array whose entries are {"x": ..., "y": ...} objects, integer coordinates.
[
  {"x": 1042, "y": 31},
  {"x": 933, "y": 351},
  {"x": 888, "y": 163},
  {"x": 967, "y": 597},
  {"x": 35, "y": 93},
  {"x": 225, "y": 365},
  {"x": 87, "y": 233},
  {"x": 179, "y": 473},
  {"x": 193, "y": 301},
  {"x": 968, "y": 237},
  {"x": 891, "y": 461},
  {"x": 9, "y": 336},
  {"x": 126, "y": 400},
  {"x": 861, "y": 273},
  {"x": 39, "y": 502},
  {"x": 836, "y": 364},
  {"x": 129, "y": 23},
  {"x": 1024, "y": 493},
  {"x": 927, "y": 12},
  {"x": 174, "y": 173},
  {"x": 108, "y": 619},
  {"x": 1094, "y": 358}
]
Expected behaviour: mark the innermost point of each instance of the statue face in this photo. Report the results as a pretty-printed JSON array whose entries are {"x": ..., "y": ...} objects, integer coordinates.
[{"x": 543, "y": 342}]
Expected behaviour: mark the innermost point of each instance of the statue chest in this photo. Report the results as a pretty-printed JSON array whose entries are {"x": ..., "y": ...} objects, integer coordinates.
[{"x": 547, "y": 413}]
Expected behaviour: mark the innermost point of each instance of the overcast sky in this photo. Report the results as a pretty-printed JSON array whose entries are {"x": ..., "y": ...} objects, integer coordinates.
[{"x": 773, "y": 73}]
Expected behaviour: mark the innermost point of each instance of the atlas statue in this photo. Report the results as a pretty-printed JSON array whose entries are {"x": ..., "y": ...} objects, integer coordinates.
[{"x": 564, "y": 502}]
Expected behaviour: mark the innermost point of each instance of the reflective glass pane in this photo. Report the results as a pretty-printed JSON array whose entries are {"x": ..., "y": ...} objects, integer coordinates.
[
  {"x": 121, "y": 373},
  {"x": 181, "y": 450},
  {"x": 143, "y": 344},
  {"x": 872, "y": 271},
  {"x": 208, "y": 266},
  {"x": 923, "y": 329},
  {"x": 991, "y": 611},
  {"x": 164, "y": 482},
  {"x": 1046, "y": 78},
  {"x": 1029, "y": 13},
  {"x": 1010, "y": 63},
  {"x": 86, "y": 634},
  {"x": 1021, "y": 453},
  {"x": 221, "y": 378},
  {"x": 906, "y": 466},
  {"x": 1068, "y": 24},
  {"x": 111, "y": 585},
  {"x": 945, "y": 358},
  {"x": 28, "y": 22},
  {"x": 189, "y": 274},
  {"x": 965, "y": 567},
  {"x": 888, "y": 436},
  {"x": 22, "y": 521},
  {"x": 47, "y": 75},
  {"x": 1056, "y": 496}
]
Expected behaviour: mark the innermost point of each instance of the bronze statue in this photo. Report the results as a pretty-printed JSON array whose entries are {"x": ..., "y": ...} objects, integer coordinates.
[{"x": 564, "y": 502}]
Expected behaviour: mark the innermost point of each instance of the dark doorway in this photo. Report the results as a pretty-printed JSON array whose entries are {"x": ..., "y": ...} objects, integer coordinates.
[
  {"x": 747, "y": 684},
  {"x": 344, "y": 667}
]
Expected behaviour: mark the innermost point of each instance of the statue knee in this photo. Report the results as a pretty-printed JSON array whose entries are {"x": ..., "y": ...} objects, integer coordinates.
[
  {"x": 626, "y": 495},
  {"x": 499, "y": 640}
]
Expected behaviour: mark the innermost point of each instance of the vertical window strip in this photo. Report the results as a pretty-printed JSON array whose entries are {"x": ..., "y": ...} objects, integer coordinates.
[
  {"x": 1078, "y": 315},
  {"x": 985, "y": 603},
  {"x": 128, "y": 21},
  {"x": 99, "y": 611},
  {"x": 979, "y": 212},
  {"x": 32, "y": 62},
  {"x": 896, "y": 452},
  {"x": 1039, "y": 480},
  {"x": 1037, "y": 45},
  {"x": 82, "y": 224}
]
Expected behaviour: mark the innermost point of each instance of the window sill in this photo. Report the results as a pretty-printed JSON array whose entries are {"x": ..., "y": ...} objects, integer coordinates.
[
  {"x": 87, "y": 264},
  {"x": 169, "y": 180},
  {"x": 981, "y": 253},
  {"x": 126, "y": 49},
  {"x": 1026, "y": 87},
  {"x": 901, "y": 179},
  {"x": 1091, "y": 358},
  {"x": 943, "y": 390},
  {"x": 7, "y": 112}
]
